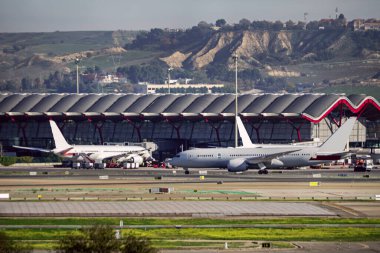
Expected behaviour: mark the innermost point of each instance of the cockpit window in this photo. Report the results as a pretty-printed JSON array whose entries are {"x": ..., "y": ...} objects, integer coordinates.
[{"x": 177, "y": 156}]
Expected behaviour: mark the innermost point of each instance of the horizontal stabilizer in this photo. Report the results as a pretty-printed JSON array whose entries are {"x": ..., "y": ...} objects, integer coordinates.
[{"x": 33, "y": 149}]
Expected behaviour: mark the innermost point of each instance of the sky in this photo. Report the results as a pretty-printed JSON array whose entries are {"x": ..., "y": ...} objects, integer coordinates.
[{"x": 90, "y": 15}]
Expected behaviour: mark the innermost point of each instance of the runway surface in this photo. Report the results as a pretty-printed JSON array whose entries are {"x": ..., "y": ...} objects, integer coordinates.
[
  {"x": 302, "y": 247},
  {"x": 162, "y": 209},
  {"x": 81, "y": 187},
  {"x": 214, "y": 175}
]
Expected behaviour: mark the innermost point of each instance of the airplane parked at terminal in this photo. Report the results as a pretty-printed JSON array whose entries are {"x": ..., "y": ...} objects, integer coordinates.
[
  {"x": 267, "y": 156},
  {"x": 92, "y": 153}
]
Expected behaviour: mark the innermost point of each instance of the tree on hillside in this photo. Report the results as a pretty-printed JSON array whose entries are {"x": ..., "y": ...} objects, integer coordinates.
[
  {"x": 261, "y": 25},
  {"x": 278, "y": 25},
  {"x": 220, "y": 22},
  {"x": 244, "y": 24},
  {"x": 341, "y": 21},
  {"x": 289, "y": 25},
  {"x": 204, "y": 25},
  {"x": 312, "y": 25},
  {"x": 300, "y": 25}
]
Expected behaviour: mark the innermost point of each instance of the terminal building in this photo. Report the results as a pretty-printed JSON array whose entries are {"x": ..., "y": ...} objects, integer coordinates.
[{"x": 182, "y": 121}]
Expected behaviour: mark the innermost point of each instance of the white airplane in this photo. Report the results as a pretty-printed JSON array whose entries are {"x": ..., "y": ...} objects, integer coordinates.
[
  {"x": 92, "y": 153},
  {"x": 267, "y": 156}
]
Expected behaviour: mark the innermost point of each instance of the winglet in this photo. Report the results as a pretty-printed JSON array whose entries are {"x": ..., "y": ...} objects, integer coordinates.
[
  {"x": 338, "y": 140},
  {"x": 243, "y": 134},
  {"x": 60, "y": 141}
]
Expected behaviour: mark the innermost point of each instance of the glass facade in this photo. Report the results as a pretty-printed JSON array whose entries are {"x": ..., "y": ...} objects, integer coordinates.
[{"x": 190, "y": 133}]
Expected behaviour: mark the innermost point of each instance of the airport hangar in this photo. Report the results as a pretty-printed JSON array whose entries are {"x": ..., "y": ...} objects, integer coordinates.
[{"x": 181, "y": 121}]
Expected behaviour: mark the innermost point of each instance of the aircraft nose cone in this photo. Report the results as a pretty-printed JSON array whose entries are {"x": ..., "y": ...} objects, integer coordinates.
[{"x": 174, "y": 161}]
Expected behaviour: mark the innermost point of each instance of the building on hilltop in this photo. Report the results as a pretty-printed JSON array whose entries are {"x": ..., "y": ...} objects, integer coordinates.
[
  {"x": 177, "y": 87},
  {"x": 364, "y": 25}
]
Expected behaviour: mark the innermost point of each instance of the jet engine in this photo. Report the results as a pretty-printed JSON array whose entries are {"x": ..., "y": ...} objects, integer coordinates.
[
  {"x": 237, "y": 165},
  {"x": 133, "y": 158},
  {"x": 136, "y": 159},
  {"x": 276, "y": 163}
]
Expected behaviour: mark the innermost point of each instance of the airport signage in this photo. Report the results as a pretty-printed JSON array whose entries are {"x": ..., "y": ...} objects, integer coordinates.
[
  {"x": 4, "y": 195},
  {"x": 314, "y": 184}
]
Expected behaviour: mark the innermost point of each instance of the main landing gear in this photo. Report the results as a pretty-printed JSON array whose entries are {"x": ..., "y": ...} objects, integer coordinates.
[{"x": 263, "y": 171}]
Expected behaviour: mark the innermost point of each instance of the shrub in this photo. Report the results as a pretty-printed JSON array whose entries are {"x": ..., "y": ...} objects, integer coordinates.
[
  {"x": 136, "y": 244},
  {"x": 7, "y": 160},
  {"x": 25, "y": 159},
  {"x": 8, "y": 245},
  {"x": 101, "y": 238}
]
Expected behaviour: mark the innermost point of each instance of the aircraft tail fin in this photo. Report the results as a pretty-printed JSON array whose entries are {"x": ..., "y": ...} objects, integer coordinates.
[
  {"x": 243, "y": 134},
  {"x": 338, "y": 140},
  {"x": 60, "y": 141}
]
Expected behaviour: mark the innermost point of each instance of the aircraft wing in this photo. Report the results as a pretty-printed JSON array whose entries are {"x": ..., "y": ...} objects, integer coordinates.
[
  {"x": 116, "y": 155},
  {"x": 34, "y": 149},
  {"x": 331, "y": 156},
  {"x": 343, "y": 153},
  {"x": 269, "y": 157}
]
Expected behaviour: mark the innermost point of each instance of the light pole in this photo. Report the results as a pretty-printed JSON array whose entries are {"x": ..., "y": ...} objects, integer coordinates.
[
  {"x": 77, "y": 63},
  {"x": 235, "y": 57},
  {"x": 169, "y": 69}
]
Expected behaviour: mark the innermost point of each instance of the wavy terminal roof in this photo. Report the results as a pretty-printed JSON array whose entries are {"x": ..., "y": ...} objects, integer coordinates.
[{"x": 313, "y": 107}]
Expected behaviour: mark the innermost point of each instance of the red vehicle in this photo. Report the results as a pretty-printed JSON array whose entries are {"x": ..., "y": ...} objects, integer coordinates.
[
  {"x": 113, "y": 165},
  {"x": 156, "y": 164}
]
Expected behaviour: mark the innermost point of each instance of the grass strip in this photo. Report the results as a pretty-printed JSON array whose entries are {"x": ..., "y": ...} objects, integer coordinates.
[
  {"x": 265, "y": 234},
  {"x": 256, "y": 234}
]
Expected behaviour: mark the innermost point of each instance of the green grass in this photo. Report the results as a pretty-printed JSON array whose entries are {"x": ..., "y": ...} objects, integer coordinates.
[
  {"x": 193, "y": 244},
  {"x": 37, "y": 234},
  {"x": 182, "y": 221},
  {"x": 117, "y": 60},
  {"x": 64, "y": 48},
  {"x": 43, "y": 245},
  {"x": 266, "y": 234},
  {"x": 282, "y": 245},
  {"x": 55, "y": 38},
  {"x": 262, "y": 234},
  {"x": 173, "y": 238}
]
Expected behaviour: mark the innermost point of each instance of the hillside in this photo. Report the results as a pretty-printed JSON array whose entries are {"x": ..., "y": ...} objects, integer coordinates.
[
  {"x": 258, "y": 48},
  {"x": 35, "y": 55},
  {"x": 282, "y": 58}
]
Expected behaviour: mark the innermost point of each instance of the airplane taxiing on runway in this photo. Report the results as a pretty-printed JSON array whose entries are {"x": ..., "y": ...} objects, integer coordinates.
[
  {"x": 267, "y": 156},
  {"x": 93, "y": 153}
]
